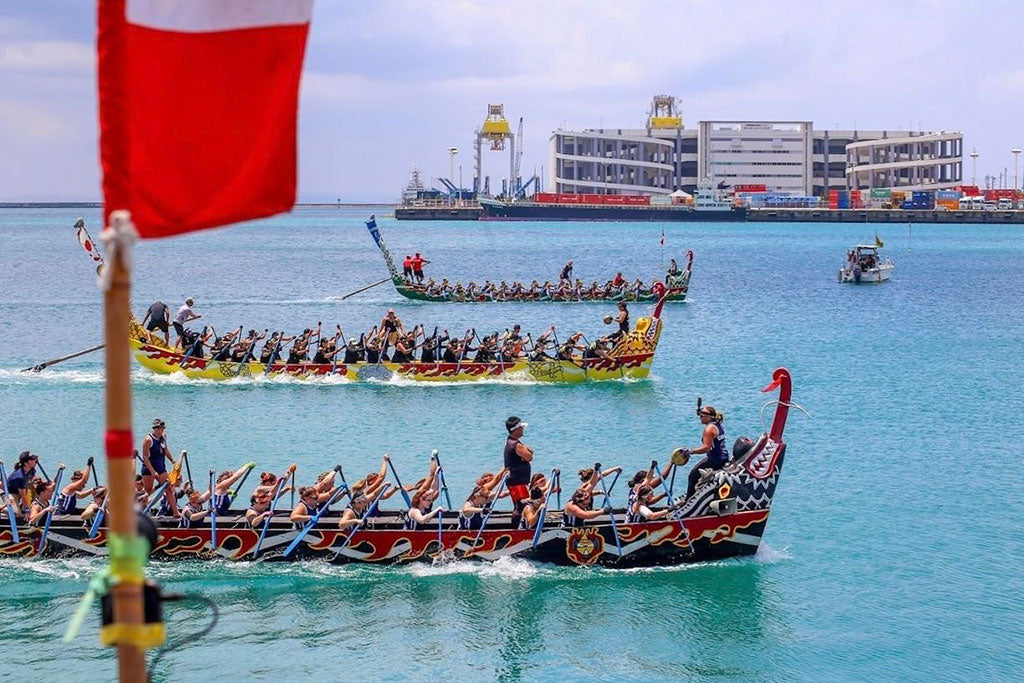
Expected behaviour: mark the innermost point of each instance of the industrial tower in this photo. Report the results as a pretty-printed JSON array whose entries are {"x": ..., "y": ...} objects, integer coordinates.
[{"x": 496, "y": 131}]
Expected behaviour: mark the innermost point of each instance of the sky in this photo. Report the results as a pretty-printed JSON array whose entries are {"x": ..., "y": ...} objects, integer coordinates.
[{"x": 393, "y": 84}]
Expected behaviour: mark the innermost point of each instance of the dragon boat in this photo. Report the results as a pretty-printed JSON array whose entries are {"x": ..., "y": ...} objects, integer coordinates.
[
  {"x": 674, "y": 289},
  {"x": 630, "y": 358},
  {"x": 725, "y": 517}
]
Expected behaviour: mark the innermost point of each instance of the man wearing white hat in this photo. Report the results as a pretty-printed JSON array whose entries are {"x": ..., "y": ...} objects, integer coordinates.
[
  {"x": 518, "y": 457},
  {"x": 185, "y": 314}
]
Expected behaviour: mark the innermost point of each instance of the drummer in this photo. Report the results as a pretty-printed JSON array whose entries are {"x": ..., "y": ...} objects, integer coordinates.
[{"x": 713, "y": 438}]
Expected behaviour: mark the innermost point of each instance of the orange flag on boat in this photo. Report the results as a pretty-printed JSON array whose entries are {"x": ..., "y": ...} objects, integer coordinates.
[{"x": 198, "y": 106}]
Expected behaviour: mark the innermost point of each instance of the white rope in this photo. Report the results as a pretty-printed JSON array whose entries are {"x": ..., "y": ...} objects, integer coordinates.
[
  {"x": 788, "y": 404},
  {"x": 117, "y": 238}
]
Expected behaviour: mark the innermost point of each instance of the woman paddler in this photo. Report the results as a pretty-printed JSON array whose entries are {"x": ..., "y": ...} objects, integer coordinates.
[
  {"x": 194, "y": 510},
  {"x": 222, "y": 489},
  {"x": 67, "y": 501},
  {"x": 42, "y": 491},
  {"x": 713, "y": 445},
  {"x": 580, "y": 508},
  {"x": 471, "y": 514}
]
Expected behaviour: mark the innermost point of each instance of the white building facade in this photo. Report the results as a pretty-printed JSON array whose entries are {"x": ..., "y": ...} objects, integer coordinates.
[{"x": 786, "y": 156}]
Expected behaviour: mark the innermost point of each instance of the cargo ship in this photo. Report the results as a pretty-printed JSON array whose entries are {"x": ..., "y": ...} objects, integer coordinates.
[{"x": 708, "y": 203}]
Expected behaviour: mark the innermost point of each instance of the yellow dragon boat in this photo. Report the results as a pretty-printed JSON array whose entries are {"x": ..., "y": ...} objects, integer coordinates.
[{"x": 629, "y": 358}]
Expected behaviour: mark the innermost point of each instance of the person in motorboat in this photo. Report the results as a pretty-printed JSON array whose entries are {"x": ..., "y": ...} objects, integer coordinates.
[{"x": 713, "y": 446}]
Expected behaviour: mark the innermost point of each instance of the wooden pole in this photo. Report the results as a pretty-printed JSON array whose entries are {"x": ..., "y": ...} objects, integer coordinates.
[{"x": 126, "y": 594}]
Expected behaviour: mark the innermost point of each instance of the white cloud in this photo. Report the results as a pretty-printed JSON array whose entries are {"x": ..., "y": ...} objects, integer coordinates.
[
  {"x": 19, "y": 118},
  {"x": 48, "y": 55}
]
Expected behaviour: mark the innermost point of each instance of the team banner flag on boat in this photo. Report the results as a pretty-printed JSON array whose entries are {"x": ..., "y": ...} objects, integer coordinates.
[{"x": 198, "y": 104}]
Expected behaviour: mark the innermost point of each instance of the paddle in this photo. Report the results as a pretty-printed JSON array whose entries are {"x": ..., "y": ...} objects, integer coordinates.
[
  {"x": 249, "y": 352},
  {"x": 363, "y": 289},
  {"x": 401, "y": 489},
  {"x": 664, "y": 485},
  {"x": 556, "y": 476},
  {"x": 238, "y": 487},
  {"x": 440, "y": 474},
  {"x": 53, "y": 504},
  {"x": 272, "y": 358},
  {"x": 213, "y": 517},
  {"x": 12, "y": 518},
  {"x": 92, "y": 468},
  {"x": 94, "y": 529},
  {"x": 462, "y": 349},
  {"x": 611, "y": 513},
  {"x": 362, "y": 520},
  {"x": 42, "y": 366},
  {"x": 188, "y": 468},
  {"x": 277, "y": 494},
  {"x": 487, "y": 516},
  {"x": 314, "y": 519},
  {"x": 151, "y": 500}
]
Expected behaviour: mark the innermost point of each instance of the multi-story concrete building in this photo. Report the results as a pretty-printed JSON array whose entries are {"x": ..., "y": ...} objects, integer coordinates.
[{"x": 786, "y": 156}]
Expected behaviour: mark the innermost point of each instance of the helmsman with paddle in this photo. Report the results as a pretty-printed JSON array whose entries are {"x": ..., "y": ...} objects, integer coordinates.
[{"x": 517, "y": 459}]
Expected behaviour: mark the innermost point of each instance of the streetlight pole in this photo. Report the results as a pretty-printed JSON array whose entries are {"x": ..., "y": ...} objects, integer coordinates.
[
  {"x": 452, "y": 151},
  {"x": 1016, "y": 156},
  {"x": 974, "y": 166}
]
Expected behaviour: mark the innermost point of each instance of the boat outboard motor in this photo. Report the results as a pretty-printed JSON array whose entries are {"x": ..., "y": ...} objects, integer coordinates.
[{"x": 741, "y": 447}]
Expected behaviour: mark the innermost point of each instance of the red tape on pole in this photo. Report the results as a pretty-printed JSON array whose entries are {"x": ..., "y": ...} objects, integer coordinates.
[{"x": 119, "y": 444}]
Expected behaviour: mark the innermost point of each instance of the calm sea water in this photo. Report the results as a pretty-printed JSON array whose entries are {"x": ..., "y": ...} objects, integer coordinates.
[{"x": 894, "y": 549}]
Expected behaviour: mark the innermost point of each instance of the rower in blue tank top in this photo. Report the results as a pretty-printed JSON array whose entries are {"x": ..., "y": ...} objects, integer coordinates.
[
  {"x": 222, "y": 494},
  {"x": 67, "y": 500},
  {"x": 713, "y": 438}
]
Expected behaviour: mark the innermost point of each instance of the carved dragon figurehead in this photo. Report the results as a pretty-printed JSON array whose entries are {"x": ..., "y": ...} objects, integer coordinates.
[{"x": 644, "y": 337}]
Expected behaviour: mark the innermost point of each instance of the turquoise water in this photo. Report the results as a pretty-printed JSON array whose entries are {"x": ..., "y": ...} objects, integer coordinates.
[{"x": 893, "y": 550}]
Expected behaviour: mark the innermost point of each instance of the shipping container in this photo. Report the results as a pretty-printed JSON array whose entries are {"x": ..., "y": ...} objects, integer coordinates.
[
  {"x": 545, "y": 197},
  {"x": 660, "y": 200},
  {"x": 615, "y": 199},
  {"x": 749, "y": 187}
]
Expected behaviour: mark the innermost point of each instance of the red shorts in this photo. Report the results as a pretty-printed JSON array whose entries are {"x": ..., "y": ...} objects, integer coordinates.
[{"x": 518, "y": 492}]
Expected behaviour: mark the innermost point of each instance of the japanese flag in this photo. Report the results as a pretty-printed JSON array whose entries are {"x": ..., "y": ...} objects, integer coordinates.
[{"x": 198, "y": 108}]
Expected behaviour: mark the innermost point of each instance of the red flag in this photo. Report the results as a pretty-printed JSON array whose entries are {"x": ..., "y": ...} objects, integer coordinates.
[{"x": 198, "y": 107}]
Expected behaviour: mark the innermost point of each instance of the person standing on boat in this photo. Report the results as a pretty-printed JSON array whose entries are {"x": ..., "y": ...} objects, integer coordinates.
[
  {"x": 158, "y": 318},
  {"x": 622, "y": 318},
  {"x": 713, "y": 445},
  {"x": 155, "y": 454},
  {"x": 185, "y": 315},
  {"x": 517, "y": 459},
  {"x": 673, "y": 271},
  {"x": 566, "y": 275},
  {"x": 417, "y": 267},
  {"x": 407, "y": 268}
]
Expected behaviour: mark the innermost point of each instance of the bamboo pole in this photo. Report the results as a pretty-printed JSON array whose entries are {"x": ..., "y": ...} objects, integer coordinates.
[{"x": 127, "y": 595}]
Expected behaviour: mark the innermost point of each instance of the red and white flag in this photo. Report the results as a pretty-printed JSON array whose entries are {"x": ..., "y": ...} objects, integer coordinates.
[{"x": 198, "y": 108}]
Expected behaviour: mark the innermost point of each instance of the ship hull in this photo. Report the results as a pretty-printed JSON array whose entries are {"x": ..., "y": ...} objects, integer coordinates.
[{"x": 532, "y": 211}]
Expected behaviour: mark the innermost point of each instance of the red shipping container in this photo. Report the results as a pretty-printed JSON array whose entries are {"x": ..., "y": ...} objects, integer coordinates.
[
  {"x": 544, "y": 197},
  {"x": 615, "y": 199}
]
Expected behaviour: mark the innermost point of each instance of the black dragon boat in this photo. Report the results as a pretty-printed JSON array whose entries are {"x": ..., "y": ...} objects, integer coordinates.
[
  {"x": 674, "y": 288},
  {"x": 725, "y": 517}
]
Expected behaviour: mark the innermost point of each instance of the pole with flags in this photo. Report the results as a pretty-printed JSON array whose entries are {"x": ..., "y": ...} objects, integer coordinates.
[{"x": 212, "y": 142}]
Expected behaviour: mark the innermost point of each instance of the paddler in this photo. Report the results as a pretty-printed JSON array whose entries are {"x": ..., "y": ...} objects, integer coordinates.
[
  {"x": 580, "y": 508},
  {"x": 99, "y": 494},
  {"x": 20, "y": 477},
  {"x": 222, "y": 489},
  {"x": 673, "y": 271},
  {"x": 480, "y": 500},
  {"x": 618, "y": 281},
  {"x": 194, "y": 510},
  {"x": 713, "y": 438},
  {"x": 67, "y": 501},
  {"x": 517, "y": 458},
  {"x": 42, "y": 492},
  {"x": 155, "y": 454}
]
